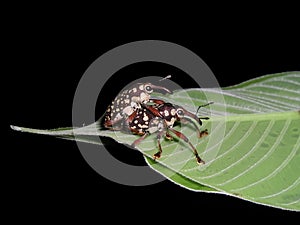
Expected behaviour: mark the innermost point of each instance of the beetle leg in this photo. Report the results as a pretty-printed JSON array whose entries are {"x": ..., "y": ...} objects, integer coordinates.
[
  {"x": 169, "y": 137},
  {"x": 130, "y": 118},
  {"x": 156, "y": 101},
  {"x": 203, "y": 133},
  {"x": 158, "y": 154},
  {"x": 200, "y": 133},
  {"x": 139, "y": 140},
  {"x": 154, "y": 111},
  {"x": 191, "y": 115},
  {"x": 183, "y": 137}
]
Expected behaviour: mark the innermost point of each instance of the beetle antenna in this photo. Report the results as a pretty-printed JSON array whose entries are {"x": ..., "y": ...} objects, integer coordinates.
[
  {"x": 167, "y": 77},
  {"x": 203, "y": 106}
]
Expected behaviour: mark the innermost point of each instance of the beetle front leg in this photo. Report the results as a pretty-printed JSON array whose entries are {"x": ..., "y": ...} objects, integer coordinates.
[
  {"x": 168, "y": 136},
  {"x": 183, "y": 137},
  {"x": 200, "y": 133}
]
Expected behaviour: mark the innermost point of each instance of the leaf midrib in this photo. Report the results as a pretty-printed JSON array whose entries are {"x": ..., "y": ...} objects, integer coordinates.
[{"x": 258, "y": 116}]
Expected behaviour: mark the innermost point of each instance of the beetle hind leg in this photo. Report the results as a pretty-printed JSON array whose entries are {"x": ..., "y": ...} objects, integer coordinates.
[
  {"x": 158, "y": 154},
  {"x": 200, "y": 133}
]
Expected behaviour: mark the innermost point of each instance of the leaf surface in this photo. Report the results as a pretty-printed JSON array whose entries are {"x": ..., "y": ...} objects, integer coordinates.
[{"x": 251, "y": 152}]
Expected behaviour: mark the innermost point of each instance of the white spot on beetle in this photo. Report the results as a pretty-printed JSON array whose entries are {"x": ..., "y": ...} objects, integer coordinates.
[
  {"x": 134, "y": 90},
  {"x": 133, "y": 105},
  {"x": 173, "y": 112},
  {"x": 141, "y": 87},
  {"x": 171, "y": 123},
  {"x": 166, "y": 112},
  {"x": 145, "y": 118}
]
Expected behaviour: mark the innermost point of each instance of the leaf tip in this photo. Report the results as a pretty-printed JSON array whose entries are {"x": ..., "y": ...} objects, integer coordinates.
[{"x": 16, "y": 128}]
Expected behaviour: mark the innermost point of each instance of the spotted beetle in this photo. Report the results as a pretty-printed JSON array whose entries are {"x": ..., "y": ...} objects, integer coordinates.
[
  {"x": 160, "y": 119},
  {"x": 127, "y": 102}
]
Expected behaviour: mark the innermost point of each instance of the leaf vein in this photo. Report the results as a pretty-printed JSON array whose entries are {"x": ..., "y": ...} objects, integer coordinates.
[
  {"x": 231, "y": 149},
  {"x": 278, "y": 169},
  {"x": 258, "y": 142}
]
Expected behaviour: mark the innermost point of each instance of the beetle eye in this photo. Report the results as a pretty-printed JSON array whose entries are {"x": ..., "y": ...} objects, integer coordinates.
[
  {"x": 148, "y": 88},
  {"x": 180, "y": 112}
]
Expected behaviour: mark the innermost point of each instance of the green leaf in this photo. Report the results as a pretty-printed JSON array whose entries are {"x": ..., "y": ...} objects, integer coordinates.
[{"x": 251, "y": 152}]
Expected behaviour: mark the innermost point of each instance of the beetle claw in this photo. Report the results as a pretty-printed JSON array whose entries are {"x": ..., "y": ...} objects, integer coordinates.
[
  {"x": 203, "y": 133},
  {"x": 156, "y": 155}
]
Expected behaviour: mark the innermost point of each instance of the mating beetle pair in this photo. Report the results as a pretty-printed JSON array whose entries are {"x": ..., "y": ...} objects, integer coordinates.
[{"x": 133, "y": 110}]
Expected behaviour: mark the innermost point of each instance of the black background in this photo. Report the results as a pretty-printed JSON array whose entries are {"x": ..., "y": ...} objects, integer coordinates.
[{"x": 49, "y": 177}]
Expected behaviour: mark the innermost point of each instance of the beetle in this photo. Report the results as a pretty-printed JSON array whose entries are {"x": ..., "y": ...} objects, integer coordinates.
[
  {"x": 127, "y": 102},
  {"x": 160, "y": 118}
]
